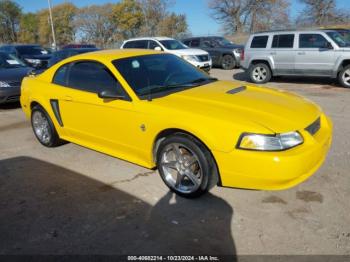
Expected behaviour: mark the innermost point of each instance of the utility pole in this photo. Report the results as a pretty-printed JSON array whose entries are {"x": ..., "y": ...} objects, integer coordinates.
[{"x": 52, "y": 26}]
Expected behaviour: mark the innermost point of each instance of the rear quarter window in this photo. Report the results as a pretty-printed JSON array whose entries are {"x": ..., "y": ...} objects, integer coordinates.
[
  {"x": 259, "y": 41},
  {"x": 60, "y": 77}
]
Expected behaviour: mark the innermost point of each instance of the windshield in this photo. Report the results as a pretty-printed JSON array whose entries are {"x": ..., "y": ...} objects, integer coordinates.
[
  {"x": 31, "y": 50},
  {"x": 173, "y": 44},
  {"x": 222, "y": 41},
  {"x": 10, "y": 61},
  {"x": 345, "y": 34},
  {"x": 338, "y": 39},
  {"x": 160, "y": 74}
]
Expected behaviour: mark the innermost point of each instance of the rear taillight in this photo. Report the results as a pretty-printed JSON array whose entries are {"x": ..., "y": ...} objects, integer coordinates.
[{"x": 242, "y": 54}]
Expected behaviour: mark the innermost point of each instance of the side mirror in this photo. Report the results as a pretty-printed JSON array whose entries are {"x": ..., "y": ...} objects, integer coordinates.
[
  {"x": 158, "y": 48},
  {"x": 110, "y": 94}
]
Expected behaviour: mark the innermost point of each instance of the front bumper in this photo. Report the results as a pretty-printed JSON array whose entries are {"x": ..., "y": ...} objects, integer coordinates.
[
  {"x": 206, "y": 66},
  {"x": 275, "y": 170},
  {"x": 9, "y": 94}
]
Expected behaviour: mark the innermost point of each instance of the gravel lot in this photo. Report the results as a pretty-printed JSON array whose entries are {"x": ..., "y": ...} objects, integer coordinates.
[{"x": 72, "y": 200}]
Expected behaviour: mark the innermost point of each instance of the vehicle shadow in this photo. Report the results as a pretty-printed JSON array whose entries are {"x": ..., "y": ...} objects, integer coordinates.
[
  {"x": 46, "y": 209},
  {"x": 326, "y": 82},
  {"x": 8, "y": 106}
]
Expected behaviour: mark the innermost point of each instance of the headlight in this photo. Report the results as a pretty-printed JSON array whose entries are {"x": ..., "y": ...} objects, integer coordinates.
[
  {"x": 190, "y": 58},
  {"x": 4, "y": 84},
  {"x": 277, "y": 142},
  {"x": 33, "y": 61}
]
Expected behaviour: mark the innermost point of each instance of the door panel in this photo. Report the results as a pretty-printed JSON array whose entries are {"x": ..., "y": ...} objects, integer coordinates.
[
  {"x": 110, "y": 126},
  {"x": 312, "y": 58},
  {"x": 283, "y": 53},
  {"x": 284, "y": 61}
]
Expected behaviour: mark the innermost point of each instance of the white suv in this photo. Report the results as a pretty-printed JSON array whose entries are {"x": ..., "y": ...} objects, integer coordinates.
[{"x": 196, "y": 57}]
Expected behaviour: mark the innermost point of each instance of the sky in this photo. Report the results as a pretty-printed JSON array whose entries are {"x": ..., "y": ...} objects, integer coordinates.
[{"x": 197, "y": 12}]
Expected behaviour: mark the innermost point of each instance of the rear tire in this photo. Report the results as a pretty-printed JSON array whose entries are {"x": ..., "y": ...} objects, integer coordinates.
[
  {"x": 43, "y": 128},
  {"x": 344, "y": 76},
  {"x": 186, "y": 166},
  {"x": 259, "y": 73},
  {"x": 228, "y": 62}
]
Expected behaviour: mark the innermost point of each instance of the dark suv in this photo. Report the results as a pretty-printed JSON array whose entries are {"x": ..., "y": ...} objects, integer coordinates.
[
  {"x": 224, "y": 53},
  {"x": 33, "y": 55}
]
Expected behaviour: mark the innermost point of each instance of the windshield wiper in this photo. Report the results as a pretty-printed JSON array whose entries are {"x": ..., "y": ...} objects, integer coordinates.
[{"x": 203, "y": 79}]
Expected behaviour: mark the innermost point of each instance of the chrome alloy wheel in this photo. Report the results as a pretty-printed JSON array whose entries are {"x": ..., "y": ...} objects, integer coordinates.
[
  {"x": 41, "y": 127},
  {"x": 346, "y": 77},
  {"x": 259, "y": 74},
  {"x": 181, "y": 168}
]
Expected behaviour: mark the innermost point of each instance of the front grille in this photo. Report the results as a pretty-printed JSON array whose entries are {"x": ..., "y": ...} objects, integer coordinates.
[
  {"x": 203, "y": 58},
  {"x": 314, "y": 127}
]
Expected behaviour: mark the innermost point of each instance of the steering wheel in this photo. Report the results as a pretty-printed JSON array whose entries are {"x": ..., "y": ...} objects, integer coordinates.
[{"x": 170, "y": 77}]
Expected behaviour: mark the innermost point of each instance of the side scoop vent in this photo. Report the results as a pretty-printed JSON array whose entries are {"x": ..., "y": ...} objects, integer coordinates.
[{"x": 236, "y": 90}]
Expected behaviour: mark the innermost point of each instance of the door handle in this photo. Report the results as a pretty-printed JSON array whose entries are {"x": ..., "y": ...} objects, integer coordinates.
[
  {"x": 301, "y": 53},
  {"x": 273, "y": 53},
  {"x": 68, "y": 98}
]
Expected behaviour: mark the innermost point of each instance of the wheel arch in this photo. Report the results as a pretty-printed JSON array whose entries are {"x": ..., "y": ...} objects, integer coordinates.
[
  {"x": 171, "y": 131},
  {"x": 33, "y": 104},
  {"x": 263, "y": 61},
  {"x": 343, "y": 64}
]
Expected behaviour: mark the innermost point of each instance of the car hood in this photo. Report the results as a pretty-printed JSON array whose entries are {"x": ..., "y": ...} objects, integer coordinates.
[
  {"x": 275, "y": 110},
  {"x": 14, "y": 74},
  {"x": 188, "y": 51}
]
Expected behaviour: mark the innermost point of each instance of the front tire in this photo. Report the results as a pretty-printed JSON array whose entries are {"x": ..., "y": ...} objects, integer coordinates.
[
  {"x": 259, "y": 73},
  {"x": 43, "y": 128},
  {"x": 228, "y": 62},
  {"x": 186, "y": 166},
  {"x": 344, "y": 77}
]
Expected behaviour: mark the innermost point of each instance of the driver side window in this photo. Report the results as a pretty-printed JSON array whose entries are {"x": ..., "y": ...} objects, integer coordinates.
[{"x": 88, "y": 76}]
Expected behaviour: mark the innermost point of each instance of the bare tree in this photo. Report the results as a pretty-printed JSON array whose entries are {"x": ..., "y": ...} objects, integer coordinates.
[
  {"x": 250, "y": 15},
  {"x": 94, "y": 24},
  {"x": 10, "y": 14},
  {"x": 231, "y": 13},
  {"x": 321, "y": 13},
  {"x": 267, "y": 15},
  {"x": 154, "y": 12}
]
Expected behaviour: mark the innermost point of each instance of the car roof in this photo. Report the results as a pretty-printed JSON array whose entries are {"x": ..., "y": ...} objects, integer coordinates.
[
  {"x": 113, "y": 54},
  {"x": 159, "y": 38},
  {"x": 315, "y": 31}
]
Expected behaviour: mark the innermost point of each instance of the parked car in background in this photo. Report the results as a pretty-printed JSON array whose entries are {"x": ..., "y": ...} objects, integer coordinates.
[
  {"x": 321, "y": 53},
  {"x": 68, "y": 52},
  {"x": 33, "y": 55},
  {"x": 69, "y": 46},
  {"x": 12, "y": 71},
  {"x": 196, "y": 57},
  {"x": 224, "y": 53}
]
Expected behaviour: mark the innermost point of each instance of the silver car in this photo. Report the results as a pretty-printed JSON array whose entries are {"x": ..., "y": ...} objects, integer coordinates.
[{"x": 322, "y": 53}]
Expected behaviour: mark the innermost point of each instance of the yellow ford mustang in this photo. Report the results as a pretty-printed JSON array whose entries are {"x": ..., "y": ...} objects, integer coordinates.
[{"x": 156, "y": 110}]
